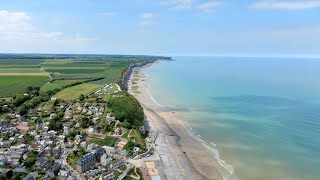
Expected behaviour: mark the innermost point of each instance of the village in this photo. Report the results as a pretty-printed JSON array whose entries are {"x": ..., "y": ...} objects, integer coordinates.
[{"x": 82, "y": 139}]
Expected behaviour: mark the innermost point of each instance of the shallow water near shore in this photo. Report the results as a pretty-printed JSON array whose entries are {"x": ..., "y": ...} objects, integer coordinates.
[{"x": 262, "y": 114}]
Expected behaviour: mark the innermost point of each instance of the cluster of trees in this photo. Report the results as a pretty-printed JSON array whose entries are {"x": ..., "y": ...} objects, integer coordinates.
[
  {"x": 31, "y": 159},
  {"x": 55, "y": 123},
  {"x": 127, "y": 110},
  {"x": 85, "y": 122},
  {"x": 35, "y": 101}
]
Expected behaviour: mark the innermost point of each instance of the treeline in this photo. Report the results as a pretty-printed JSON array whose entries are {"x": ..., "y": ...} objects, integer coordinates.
[{"x": 127, "y": 110}]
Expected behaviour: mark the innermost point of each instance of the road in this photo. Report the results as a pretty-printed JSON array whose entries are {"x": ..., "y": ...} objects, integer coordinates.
[
  {"x": 63, "y": 162},
  {"x": 129, "y": 166}
]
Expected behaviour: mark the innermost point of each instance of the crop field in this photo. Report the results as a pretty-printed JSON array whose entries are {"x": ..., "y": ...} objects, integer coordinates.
[
  {"x": 59, "y": 84},
  {"x": 74, "y": 70},
  {"x": 73, "y": 93},
  {"x": 88, "y": 68},
  {"x": 20, "y": 71},
  {"x": 11, "y": 85}
]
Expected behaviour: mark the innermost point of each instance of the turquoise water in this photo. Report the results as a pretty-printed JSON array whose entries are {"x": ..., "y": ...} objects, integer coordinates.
[{"x": 263, "y": 114}]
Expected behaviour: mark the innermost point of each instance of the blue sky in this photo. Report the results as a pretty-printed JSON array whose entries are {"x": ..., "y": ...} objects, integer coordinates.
[{"x": 163, "y": 27}]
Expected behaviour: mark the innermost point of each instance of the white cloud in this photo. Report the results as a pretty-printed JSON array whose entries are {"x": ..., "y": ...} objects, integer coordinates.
[
  {"x": 147, "y": 15},
  {"x": 208, "y": 7},
  {"x": 19, "y": 34},
  {"x": 179, "y": 4},
  {"x": 286, "y": 4},
  {"x": 109, "y": 14},
  {"x": 147, "y": 19}
]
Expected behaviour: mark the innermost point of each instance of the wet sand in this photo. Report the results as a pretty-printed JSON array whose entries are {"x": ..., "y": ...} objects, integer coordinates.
[{"x": 183, "y": 156}]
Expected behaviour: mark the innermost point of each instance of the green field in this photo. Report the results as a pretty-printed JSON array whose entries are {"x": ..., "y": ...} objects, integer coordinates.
[
  {"x": 75, "y": 71},
  {"x": 11, "y": 85},
  {"x": 66, "y": 69},
  {"x": 73, "y": 93},
  {"x": 107, "y": 141},
  {"x": 60, "y": 84},
  {"x": 19, "y": 70},
  {"x": 109, "y": 68}
]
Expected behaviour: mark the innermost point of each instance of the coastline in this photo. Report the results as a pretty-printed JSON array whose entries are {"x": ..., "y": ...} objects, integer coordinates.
[{"x": 183, "y": 155}]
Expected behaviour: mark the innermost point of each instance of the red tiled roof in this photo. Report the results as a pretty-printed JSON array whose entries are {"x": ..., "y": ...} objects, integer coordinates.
[{"x": 23, "y": 128}]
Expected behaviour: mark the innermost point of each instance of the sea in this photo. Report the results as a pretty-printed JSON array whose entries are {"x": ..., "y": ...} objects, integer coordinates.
[{"x": 260, "y": 115}]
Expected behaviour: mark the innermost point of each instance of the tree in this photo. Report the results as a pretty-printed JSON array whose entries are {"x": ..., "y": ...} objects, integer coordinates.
[
  {"x": 81, "y": 97},
  {"x": 22, "y": 110},
  {"x": 85, "y": 122},
  {"x": 55, "y": 125},
  {"x": 31, "y": 159}
]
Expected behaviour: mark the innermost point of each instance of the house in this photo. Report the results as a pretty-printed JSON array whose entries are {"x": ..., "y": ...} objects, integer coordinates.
[
  {"x": 53, "y": 99},
  {"x": 21, "y": 139},
  {"x": 56, "y": 153},
  {"x": 78, "y": 139},
  {"x": 49, "y": 175},
  {"x": 37, "y": 147},
  {"x": 5, "y": 144},
  {"x": 63, "y": 175},
  {"x": 71, "y": 178},
  {"x": 31, "y": 176},
  {"x": 4, "y": 171},
  {"x": 15, "y": 159},
  {"x": 3, "y": 160},
  {"x": 117, "y": 131},
  {"x": 22, "y": 128},
  {"x": 107, "y": 176},
  {"x": 53, "y": 115},
  {"x": 86, "y": 162},
  {"x": 99, "y": 153},
  {"x": 91, "y": 146},
  {"x": 142, "y": 129},
  {"x": 136, "y": 150},
  {"x": 33, "y": 112},
  {"x": 65, "y": 130},
  {"x": 117, "y": 164},
  {"x": 83, "y": 145},
  {"x": 68, "y": 113},
  {"x": 61, "y": 138},
  {"x": 109, "y": 149},
  {"x": 124, "y": 152},
  {"x": 20, "y": 170},
  {"x": 105, "y": 159},
  {"x": 43, "y": 162}
]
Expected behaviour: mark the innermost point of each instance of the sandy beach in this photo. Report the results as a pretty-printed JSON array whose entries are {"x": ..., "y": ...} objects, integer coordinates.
[{"x": 182, "y": 155}]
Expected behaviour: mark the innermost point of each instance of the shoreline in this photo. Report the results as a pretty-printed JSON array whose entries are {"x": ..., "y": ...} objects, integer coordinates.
[{"x": 182, "y": 153}]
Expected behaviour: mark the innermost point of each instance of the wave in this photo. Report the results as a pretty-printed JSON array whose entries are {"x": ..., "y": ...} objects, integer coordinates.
[
  {"x": 227, "y": 170},
  {"x": 148, "y": 90}
]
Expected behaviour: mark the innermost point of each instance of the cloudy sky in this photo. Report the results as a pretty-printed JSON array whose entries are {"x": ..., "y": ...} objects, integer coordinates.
[{"x": 164, "y": 27}]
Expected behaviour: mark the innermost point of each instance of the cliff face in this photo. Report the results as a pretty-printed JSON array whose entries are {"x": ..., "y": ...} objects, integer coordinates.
[{"x": 128, "y": 72}]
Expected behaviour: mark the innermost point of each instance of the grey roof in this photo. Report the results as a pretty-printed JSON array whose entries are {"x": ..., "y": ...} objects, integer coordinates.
[
  {"x": 63, "y": 173},
  {"x": 100, "y": 151},
  {"x": 4, "y": 171},
  {"x": 19, "y": 169},
  {"x": 86, "y": 158}
]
